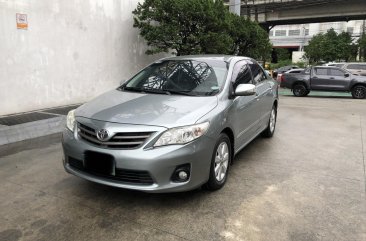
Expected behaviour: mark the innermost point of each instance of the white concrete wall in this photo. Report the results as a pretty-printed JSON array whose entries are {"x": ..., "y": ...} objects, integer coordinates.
[
  {"x": 298, "y": 56},
  {"x": 72, "y": 51}
]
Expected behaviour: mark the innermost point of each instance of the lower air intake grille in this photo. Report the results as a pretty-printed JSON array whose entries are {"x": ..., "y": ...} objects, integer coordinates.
[{"x": 121, "y": 175}]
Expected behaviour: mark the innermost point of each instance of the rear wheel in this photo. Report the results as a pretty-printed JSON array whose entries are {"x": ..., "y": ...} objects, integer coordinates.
[
  {"x": 359, "y": 92},
  {"x": 269, "y": 131},
  {"x": 300, "y": 90},
  {"x": 220, "y": 163}
]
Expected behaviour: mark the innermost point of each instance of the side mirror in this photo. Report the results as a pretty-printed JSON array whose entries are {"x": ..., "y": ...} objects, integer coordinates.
[
  {"x": 245, "y": 90},
  {"x": 346, "y": 75}
]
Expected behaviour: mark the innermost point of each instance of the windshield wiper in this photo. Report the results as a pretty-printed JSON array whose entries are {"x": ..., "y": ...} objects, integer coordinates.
[
  {"x": 180, "y": 92},
  {"x": 156, "y": 91},
  {"x": 212, "y": 92},
  {"x": 130, "y": 88},
  {"x": 144, "y": 90}
]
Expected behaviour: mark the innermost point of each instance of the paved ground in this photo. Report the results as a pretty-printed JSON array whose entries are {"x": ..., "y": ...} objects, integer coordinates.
[{"x": 306, "y": 183}]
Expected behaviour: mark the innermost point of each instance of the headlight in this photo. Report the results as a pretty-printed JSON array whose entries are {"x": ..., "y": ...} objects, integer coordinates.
[
  {"x": 182, "y": 135},
  {"x": 70, "y": 120}
]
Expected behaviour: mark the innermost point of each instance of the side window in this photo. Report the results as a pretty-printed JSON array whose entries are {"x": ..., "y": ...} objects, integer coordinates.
[
  {"x": 241, "y": 74},
  {"x": 321, "y": 71},
  {"x": 336, "y": 72},
  {"x": 353, "y": 66},
  {"x": 258, "y": 73}
]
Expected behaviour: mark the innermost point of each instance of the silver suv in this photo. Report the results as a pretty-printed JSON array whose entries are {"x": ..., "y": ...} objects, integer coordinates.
[
  {"x": 174, "y": 126},
  {"x": 356, "y": 68}
]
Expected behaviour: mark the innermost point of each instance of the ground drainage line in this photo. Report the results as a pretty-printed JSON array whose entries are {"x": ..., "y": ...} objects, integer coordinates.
[{"x": 363, "y": 154}]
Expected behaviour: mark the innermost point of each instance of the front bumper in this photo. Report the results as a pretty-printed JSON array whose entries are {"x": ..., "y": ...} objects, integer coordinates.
[{"x": 159, "y": 162}]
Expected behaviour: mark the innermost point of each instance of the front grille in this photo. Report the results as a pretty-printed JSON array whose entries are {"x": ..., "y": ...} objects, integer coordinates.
[
  {"x": 121, "y": 140},
  {"x": 121, "y": 175}
]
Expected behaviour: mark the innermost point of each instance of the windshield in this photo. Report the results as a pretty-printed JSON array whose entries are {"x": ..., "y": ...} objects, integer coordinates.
[{"x": 186, "y": 77}]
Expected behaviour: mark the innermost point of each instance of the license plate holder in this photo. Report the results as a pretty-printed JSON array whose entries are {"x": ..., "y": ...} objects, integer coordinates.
[{"x": 99, "y": 163}]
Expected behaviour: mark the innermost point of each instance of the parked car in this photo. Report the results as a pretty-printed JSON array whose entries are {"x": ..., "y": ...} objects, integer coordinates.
[
  {"x": 291, "y": 71},
  {"x": 339, "y": 65},
  {"x": 325, "y": 79},
  {"x": 175, "y": 126},
  {"x": 356, "y": 68},
  {"x": 283, "y": 70}
]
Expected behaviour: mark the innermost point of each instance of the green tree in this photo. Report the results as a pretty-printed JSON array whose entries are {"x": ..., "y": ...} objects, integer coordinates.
[
  {"x": 249, "y": 39},
  {"x": 282, "y": 54},
  {"x": 362, "y": 46},
  {"x": 313, "y": 50},
  {"x": 186, "y": 27},
  {"x": 331, "y": 46},
  {"x": 197, "y": 27}
]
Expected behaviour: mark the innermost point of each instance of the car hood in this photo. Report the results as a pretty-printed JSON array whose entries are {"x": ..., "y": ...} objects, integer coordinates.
[{"x": 147, "y": 109}]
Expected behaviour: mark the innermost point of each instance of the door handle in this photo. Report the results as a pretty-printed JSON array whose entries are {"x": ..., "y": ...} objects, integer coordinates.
[{"x": 331, "y": 78}]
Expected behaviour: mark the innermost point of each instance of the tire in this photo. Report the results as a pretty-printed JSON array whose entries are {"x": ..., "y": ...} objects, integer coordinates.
[
  {"x": 271, "y": 126},
  {"x": 359, "y": 92},
  {"x": 220, "y": 162},
  {"x": 299, "y": 90}
]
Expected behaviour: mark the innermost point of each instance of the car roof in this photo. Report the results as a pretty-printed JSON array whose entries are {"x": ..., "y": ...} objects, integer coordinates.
[
  {"x": 225, "y": 58},
  {"x": 327, "y": 67}
]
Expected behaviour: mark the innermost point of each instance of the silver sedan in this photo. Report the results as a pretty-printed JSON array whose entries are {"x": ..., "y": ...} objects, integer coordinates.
[{"x": 175, "y": 126}]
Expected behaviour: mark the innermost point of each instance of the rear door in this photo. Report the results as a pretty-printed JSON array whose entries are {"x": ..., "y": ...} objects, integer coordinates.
[{"x": 319, "y": 78}]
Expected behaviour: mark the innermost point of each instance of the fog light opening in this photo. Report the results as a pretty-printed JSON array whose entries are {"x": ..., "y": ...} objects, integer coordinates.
[{"x": 181, "y": 173}]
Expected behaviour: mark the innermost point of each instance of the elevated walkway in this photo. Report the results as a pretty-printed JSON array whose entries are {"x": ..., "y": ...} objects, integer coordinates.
[{"x": 281, "y": 12}]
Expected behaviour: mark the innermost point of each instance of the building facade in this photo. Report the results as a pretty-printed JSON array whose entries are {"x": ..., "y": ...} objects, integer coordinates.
[{"x": 295, "y": 37}]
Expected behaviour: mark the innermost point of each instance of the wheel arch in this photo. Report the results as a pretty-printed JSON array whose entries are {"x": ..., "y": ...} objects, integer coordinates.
[
  {"x": 229, "y": 132},
  {"x": 299, "y": 82},
  {"x": 357, "y": 84}
]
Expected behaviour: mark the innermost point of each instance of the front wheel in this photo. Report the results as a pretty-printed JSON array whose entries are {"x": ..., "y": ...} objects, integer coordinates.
[
  {"x": 271, "y": 126},
  {"x": 359, "y": 92},
  {"x": 299, "y": 90},
  {"x": 220, "y": 163}
]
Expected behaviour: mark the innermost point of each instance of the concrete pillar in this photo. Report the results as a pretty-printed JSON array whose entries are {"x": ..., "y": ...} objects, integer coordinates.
[{"x": 235, "y": 6}]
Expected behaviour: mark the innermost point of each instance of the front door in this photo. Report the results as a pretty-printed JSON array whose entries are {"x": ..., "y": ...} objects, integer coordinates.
[{"x": 246, "y": 109}]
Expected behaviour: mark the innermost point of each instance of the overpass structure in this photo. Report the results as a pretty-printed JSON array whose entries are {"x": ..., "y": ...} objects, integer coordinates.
[{"x": 270, "y": 13}]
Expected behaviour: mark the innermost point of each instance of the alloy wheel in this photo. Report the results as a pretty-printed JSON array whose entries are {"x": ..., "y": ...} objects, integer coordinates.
[
  {"x": 272, "y": 120},
  {"x": 221, "y": 161},
  {"x": 359, "y": 92}
]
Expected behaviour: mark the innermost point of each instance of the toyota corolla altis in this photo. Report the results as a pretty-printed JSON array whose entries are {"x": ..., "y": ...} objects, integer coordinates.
[{"x": 175, "y": 126}]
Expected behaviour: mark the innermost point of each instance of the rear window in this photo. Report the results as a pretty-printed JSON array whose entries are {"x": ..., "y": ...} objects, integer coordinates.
[
  {"x": 336, "y": 72},
  {"x": 320, "y": 71},
  {"x": 357, "y": 66}
]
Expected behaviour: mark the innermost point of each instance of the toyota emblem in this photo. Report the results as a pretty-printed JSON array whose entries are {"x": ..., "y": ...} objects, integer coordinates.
[{"x": 102, "y": 134}]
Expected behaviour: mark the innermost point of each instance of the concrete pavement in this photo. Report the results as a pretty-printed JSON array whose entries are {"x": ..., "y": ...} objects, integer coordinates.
[{"x": 306, "y": 183}]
